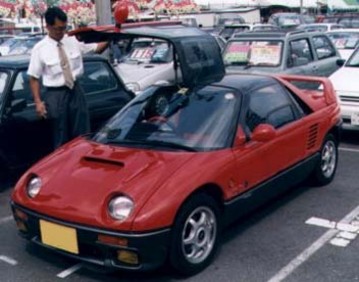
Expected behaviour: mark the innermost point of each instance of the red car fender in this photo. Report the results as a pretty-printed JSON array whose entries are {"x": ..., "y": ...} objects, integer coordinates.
[{"x": 161, "y": 208}]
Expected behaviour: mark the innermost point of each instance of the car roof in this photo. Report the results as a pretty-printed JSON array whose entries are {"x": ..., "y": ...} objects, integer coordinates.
[
  {"x": 274, "y": 34},
  {"x": 246, "y": 82},
  {"x": 349, "y": 30},
  {"x": 22, "y": 61}
]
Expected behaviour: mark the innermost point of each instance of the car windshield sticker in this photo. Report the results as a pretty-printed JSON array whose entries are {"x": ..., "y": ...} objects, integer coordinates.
[
  {"x": 265, "y": 55},
  {"x": 237, "y": 52},
  {"x": 142, "y": 53}
]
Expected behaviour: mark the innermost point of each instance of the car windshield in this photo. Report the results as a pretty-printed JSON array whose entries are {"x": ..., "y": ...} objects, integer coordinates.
[
  {"x": 23, "y": 46},
  {"x": 155, "y": 52},
  {"x": 9, "y": 42},
  {"x": 344, "y": 40},
  {"x": 354, "y": 59},
  {"x": 262, "y": 53},
  {"x": 3, "y": 79},
  {"x": 192, "y": 121}
]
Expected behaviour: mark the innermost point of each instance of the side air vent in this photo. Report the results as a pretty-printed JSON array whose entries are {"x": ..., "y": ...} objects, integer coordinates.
[
  {"x": 312, "y": 136},
  {"x": 103, "y": 161}
]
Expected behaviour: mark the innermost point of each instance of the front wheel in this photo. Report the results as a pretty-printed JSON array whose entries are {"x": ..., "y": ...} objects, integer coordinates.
[
  {"x": 195, "y": 235},
  {"x": 327, "y": 165}
]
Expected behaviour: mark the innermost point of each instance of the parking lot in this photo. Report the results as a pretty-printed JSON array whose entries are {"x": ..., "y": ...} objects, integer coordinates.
[{"x": 308, "y": 234}]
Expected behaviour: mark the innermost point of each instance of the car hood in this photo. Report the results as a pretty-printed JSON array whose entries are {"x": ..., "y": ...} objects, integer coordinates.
[
  {"x": 80, "y": 179},
  {"x": 342, "y": 76}
]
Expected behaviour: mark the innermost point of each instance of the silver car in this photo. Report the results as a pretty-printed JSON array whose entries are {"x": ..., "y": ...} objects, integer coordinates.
[{"x": 295, "y": 52}]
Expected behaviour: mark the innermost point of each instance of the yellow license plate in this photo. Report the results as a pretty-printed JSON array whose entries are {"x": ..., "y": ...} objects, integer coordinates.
[{"x": 58, "y": 236}]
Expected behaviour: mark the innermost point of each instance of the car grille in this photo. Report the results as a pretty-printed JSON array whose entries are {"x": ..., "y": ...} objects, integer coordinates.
[{"x": 349, "y": 99}]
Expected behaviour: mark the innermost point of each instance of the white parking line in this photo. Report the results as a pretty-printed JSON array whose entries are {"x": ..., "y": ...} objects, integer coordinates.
[
  {"x": 8, "y": 260},
  {"x": 306, "y": 254},
  {"x": 349, "y": 149},
  {"x": 69, "y": 271},
  {"x": 5, "y": 219}
]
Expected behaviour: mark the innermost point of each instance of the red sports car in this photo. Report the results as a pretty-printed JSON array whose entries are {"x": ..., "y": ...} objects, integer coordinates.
[{"x": 160, "y": 180}]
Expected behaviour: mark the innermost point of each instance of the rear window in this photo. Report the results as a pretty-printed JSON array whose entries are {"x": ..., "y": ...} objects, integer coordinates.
[{"x": 256, "y": 53}]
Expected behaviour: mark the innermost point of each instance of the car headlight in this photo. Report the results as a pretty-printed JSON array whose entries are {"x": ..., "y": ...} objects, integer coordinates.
[
  {"x": 34, "y": 186},
  {"x": 134, "y": 87},
  {"x": 120, "y": 207}
]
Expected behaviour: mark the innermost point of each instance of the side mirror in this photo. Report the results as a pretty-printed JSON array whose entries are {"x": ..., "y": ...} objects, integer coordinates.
[
  {"x": 18, "y": 105},
  {"x": 340, "y": 62},
  {"x": 240, "y": 138},
  {"x": 263, "y": 132}
]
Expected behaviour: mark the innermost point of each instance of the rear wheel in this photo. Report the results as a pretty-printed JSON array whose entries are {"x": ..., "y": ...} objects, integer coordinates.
[
  {"x": 195, "y": 235},
  {"x": 327, "y": 165}
]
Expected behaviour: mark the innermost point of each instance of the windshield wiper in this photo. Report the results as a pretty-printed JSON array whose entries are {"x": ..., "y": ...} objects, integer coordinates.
[
  {"x": 237, "y": 64},
  {"x": 152, "y": 143}
]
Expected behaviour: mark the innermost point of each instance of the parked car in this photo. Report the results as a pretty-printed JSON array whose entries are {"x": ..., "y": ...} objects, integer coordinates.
[
  {"x": 345, "y": 40},
  {"x": 323, "y": 27},
  {"x": 148, "y": 61},
  {"x": 24, "y": 45},
  {"x": 286, "y": 20},
  {"x": 24, "y": 137},
  {"x": 348, "y": 20},
  {"x": 296, "y": 52},
  {"x": 4, "y": 37},
  {"x": 346, "y": 84},
  {"x": 19, "y": 44},
  {"x": 230, "y": 30},
  {"x": 164, "y": 175}
]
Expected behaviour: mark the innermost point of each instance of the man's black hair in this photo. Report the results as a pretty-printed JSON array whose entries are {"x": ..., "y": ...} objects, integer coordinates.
[{"x": 53, "y": 13}]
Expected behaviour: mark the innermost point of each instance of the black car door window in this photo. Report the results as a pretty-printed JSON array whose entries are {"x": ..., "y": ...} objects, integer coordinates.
[
  {"x": 270, "y": 105},
  {"x": 21, "y": 88},
  {"x": 97, "y": 78},
  {"x": 299, "y": 53}
]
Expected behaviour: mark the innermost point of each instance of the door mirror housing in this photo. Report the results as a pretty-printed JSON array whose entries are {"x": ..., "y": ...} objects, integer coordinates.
[
  {"x": 340, "y": 62},
  {"x": 263, "y": 132}
]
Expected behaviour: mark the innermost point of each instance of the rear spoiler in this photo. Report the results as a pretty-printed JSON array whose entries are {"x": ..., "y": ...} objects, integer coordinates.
[{"x": 326, "y": 85}]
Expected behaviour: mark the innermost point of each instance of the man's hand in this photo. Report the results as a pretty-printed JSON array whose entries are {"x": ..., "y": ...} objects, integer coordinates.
[{"x": 41, "y": 109}]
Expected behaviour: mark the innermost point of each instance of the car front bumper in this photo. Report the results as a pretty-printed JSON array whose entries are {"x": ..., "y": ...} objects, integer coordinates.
[
  {"x": 107, "y": 248},
  {"x": 350, "y": 115}
]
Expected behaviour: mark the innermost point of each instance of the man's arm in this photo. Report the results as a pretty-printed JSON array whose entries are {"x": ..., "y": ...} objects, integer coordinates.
[
  {"x": 101, "y": 46},
  {"x": 35, "y": 90}
]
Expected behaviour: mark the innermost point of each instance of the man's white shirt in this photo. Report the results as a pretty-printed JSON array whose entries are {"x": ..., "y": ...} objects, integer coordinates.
[{"x": 45, "y": 60}]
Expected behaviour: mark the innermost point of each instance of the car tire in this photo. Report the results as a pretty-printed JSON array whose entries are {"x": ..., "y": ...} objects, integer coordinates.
[
  {"x": 326, "y": 167},
  {"x": 195, "y": 235}
]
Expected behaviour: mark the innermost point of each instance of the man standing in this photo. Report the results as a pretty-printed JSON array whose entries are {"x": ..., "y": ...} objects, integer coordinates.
[{"x": 57, "y": 59}]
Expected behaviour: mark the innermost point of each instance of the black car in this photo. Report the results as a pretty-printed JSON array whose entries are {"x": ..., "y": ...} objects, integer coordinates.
[{"x": 24, "y": 137}]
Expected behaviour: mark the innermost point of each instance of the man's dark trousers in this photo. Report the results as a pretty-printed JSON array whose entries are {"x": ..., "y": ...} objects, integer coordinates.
[{"x": 68, "y": 112}]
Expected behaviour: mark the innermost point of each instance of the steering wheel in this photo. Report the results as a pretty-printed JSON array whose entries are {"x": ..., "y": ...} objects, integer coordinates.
[{"x": 166, "y": 125}]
